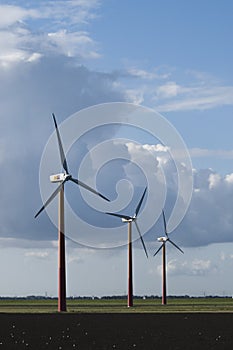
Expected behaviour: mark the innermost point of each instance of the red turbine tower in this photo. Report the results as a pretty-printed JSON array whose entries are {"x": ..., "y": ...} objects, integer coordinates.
[
  {"x": 129, "y": 220},
  {"x": 164, "y": 240},
  {"x": 62, "y": 178}
]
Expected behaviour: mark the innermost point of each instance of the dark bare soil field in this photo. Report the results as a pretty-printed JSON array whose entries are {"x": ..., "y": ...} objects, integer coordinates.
[{"x": 116, "y": 331}]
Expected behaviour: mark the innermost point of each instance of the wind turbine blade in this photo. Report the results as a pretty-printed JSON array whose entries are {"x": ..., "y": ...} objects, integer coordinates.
[
  {"x": 80, "y": 183},
  {"x": 120, "y": 216},
  {"x": 165, "y": 225},
  {"x": 62, "y": 154},
  {"x": 175, "y": 245},
  {"x": 140, "y": 202},
  {"x": 51, "y": 198},
  {"x": 136, "y": 224},
  {"x": 158, "y": 249}
]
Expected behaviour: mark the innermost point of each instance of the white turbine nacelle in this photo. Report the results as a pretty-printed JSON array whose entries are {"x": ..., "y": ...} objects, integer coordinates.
[
  {"x": 127, "y": 220},
  {"x": 162, "y": 239},
  {"x": 58, "y": 177}
]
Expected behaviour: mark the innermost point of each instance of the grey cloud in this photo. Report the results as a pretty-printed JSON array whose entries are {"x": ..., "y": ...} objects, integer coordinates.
[
  {"x": 209, "y": 218},
  {"x": 196, "y": 267},
  {"x": 28, "y": 96}
]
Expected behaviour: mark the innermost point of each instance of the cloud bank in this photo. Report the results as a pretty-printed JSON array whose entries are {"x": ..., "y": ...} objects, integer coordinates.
[
  {"x": 41, "y": 69},
  {"x": 209, "y": 217}
]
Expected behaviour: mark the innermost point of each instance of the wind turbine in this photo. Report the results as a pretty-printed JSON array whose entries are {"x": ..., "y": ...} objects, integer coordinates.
[
  {"x": 164, "y": 240},
  {"x": 129, "y": 220},
  {"x": 62, "y": 178}
]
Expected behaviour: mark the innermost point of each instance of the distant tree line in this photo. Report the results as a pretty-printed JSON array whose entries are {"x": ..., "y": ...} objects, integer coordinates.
[{"x": 111, "y": 297}]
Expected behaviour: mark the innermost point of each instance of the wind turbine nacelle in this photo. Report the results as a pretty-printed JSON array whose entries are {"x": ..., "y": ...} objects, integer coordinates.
[
  {"x": 57, "y": 177},
  {"x": 162, "y": 239},
  {"x": 126, "y": 220}
]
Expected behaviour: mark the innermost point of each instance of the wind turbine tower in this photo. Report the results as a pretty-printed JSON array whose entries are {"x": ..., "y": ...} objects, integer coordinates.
[
  {"x": 62, "y": 178},
  {"x": 164, "y": 240},
  {"x": 130, "y": 220}
]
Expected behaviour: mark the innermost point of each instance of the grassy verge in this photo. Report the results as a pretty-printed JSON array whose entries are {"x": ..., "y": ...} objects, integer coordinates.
[{"x": 174, "y": 305}]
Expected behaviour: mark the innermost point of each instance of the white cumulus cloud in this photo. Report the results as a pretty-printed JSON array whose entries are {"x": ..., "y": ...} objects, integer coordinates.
[
  {"x": 59, "y": 28},
  {"x": 37, "y": 254}
]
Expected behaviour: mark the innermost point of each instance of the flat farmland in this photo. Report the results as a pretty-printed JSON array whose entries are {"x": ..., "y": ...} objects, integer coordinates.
[
  {"x": 200, "y": 323},
  {"x": 148, "y": 305}
]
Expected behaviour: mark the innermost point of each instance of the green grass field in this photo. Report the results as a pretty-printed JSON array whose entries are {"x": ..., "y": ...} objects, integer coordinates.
[{"x": 148, "y": 305}]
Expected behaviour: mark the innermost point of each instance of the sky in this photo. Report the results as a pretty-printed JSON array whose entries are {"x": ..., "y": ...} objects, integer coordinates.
[{"x": 173, "y": 59}]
